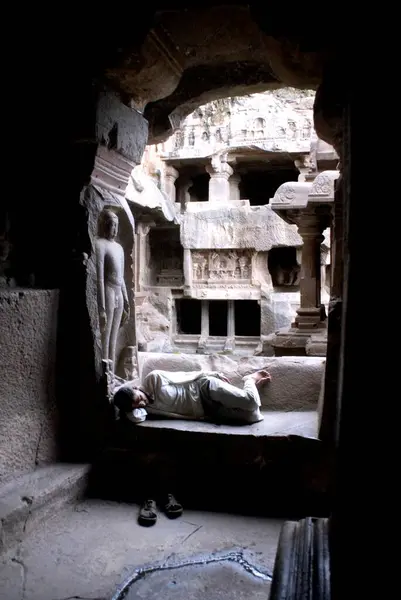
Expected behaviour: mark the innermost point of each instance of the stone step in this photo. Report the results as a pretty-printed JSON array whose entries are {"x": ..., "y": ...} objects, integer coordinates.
[
  {"x": 273, "y": 468},
  {"x": 29, "y": 498}
]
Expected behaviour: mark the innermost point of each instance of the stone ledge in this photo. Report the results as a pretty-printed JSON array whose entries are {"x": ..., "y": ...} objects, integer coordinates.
[
  {"x": 276, "y": 423},
  {"x": 29, "y": 498},
  {"x": 215, "y": 468}
]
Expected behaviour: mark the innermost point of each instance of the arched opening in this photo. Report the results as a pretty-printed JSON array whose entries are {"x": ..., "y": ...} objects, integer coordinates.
[{"x": 187, "y": 59}]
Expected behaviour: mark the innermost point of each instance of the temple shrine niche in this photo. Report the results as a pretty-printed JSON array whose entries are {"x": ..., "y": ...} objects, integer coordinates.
[
  {"x": 284, "y": 267},
  {"x": 166, "y": 257}
]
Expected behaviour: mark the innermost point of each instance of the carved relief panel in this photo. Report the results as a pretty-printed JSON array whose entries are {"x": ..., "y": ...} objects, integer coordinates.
[{"x": 221, "y": 266}]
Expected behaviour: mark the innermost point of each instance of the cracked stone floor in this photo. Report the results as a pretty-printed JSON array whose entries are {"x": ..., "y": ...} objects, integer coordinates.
[{"x": 87, "y": 551}]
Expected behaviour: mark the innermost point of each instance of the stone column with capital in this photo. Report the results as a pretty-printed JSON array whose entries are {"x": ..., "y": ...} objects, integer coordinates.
[
  {"x": 309, "y": 313},
  {"x": 183, "y": 195},
  {"x": 142, "y": 231},
  {"x": 230, "y": 341},
  {"x": 204, "y": 327},
  {"x": 170, "y": 176},
  {"x": 234, "y": 183},
  {"x": 219, "y": 186},
  {"x": 325, "y": 256}
]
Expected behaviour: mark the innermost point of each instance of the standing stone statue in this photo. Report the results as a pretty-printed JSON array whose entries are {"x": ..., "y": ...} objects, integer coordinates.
[{"x": 112, "y": 295}]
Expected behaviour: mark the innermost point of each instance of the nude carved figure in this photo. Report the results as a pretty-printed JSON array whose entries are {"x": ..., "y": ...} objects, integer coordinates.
[{"x": 112, "y": 295}]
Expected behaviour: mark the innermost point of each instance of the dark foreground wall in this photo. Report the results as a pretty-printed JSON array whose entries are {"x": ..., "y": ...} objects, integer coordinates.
[{"x": 28, "y": 420}]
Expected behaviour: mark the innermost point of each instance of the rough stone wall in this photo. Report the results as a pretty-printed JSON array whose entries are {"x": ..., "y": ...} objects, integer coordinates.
[
  {"x": 296, "y": 381},
  {"x": 154, "y": 323},
  {"x": 28, "y": 424}
]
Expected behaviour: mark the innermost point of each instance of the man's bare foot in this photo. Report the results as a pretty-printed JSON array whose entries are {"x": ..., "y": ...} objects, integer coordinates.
[{"x": 261, "y": 377}]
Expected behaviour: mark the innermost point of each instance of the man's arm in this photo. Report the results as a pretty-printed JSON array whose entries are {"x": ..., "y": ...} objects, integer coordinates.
[
  {"x": 216, "y": 374},
  {"x": 153, "y": 379}
]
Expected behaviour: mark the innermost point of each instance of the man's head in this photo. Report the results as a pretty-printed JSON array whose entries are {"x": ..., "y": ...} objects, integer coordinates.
[{"x": 127, "y": 398}]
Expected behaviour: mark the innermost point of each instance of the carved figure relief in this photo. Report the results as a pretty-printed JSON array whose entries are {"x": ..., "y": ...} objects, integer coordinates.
[
  {"x": 259, "y": 127},
  {"x": 306, "y": 129},
  {"x": 130, "y": 363},
  {"x": 112, "y": 295},
  {"x": 179, "y": 140},
  {"x": 292, "y": 130},
  {"x": 221, "y": 265}
]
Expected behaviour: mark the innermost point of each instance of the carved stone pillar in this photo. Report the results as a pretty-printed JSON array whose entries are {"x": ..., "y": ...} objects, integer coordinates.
[
  {"x": 204, "y": 326},
  {"x": 230, "y": 342},
  {"x": 323, "y": 263},
  {"x": 187, "y": 268},
  {"x": 328, "y": 414},
  {"x": 142, "y": 231},
  {"x": 234, "y": 183},
  {"x": 205, "y": 319},
  {"x": 183, "y": 192},
  {"x": 170, "y": 176},
  {"x": 309, "y": 206},
  {"x": 309, "y": 313},
  {"x": 219, "y": 187}
]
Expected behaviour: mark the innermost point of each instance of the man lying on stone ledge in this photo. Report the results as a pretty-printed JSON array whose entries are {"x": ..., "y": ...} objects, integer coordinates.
[{"x": 196, "y": 395}]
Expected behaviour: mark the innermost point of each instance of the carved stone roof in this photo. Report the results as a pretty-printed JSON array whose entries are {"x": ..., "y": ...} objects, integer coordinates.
[{"x": 144, "y": 196}]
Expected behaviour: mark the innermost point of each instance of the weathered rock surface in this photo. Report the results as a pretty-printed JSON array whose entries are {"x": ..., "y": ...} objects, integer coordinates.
[
  {"x": 29, "y": 418},
  {"x": 258, "y": 228},
  {"x": 154, "y": 323}
]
